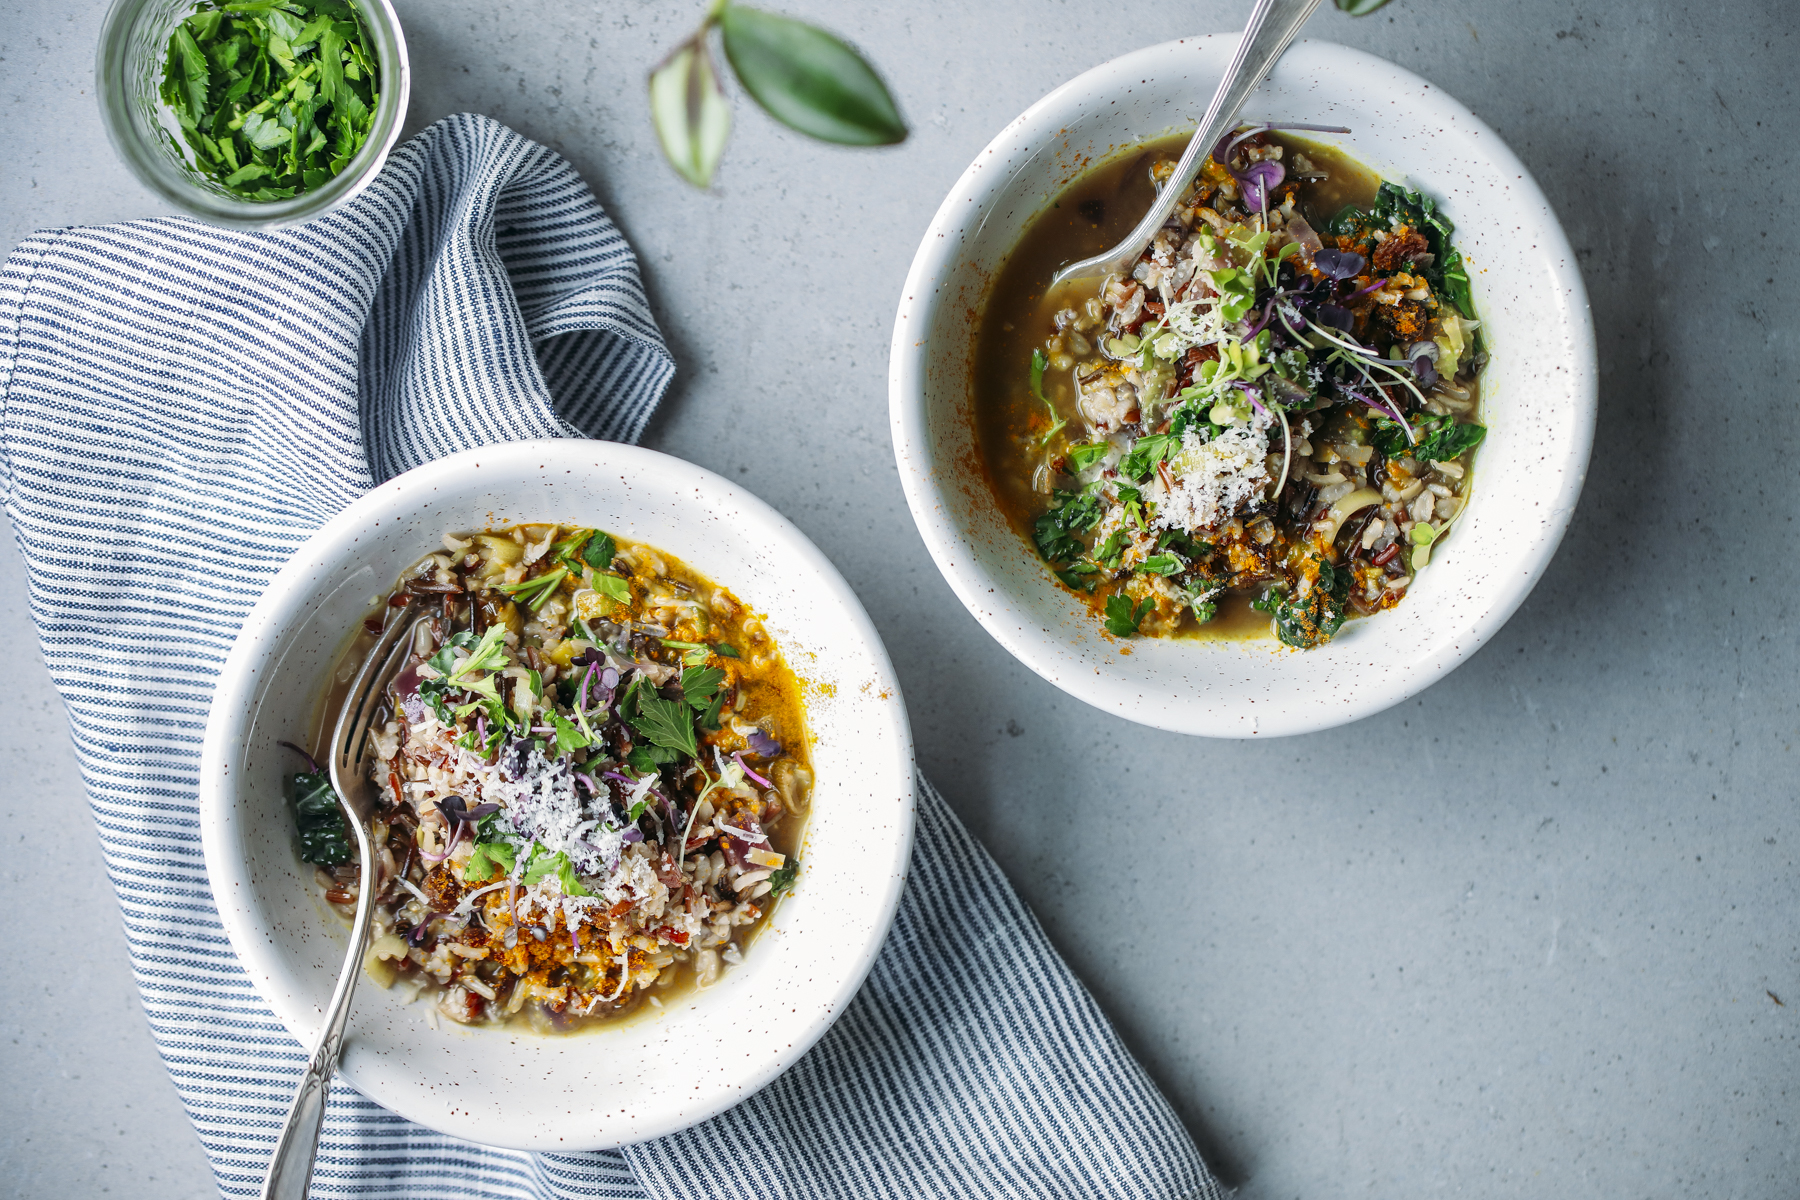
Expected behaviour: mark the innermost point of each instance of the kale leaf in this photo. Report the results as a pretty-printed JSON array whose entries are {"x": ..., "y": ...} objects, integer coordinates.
[
  {"x": 1395, "y": 206},
  {"x": 1313, "y": 619},
  {"x": 1070, "y": 513},
  {"x": 782, "y": 878},
  {"x": 1440, "y": 439},
  {"x": 324, "y": 838}
]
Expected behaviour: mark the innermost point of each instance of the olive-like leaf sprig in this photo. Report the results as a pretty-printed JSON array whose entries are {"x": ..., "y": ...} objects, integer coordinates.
[{"x": 804, "y": 77}]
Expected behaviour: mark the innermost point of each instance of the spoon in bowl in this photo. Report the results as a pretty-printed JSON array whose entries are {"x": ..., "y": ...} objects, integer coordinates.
[
  {"x": 290, "y": 1170},
  {"x": 1272, "y": 26}
]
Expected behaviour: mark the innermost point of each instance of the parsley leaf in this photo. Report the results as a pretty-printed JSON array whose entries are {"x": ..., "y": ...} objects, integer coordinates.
[
  {"x": 612, "y": 587},
  {"x": 1109, "y": 552},
  {"x": 1070, "y": 513},
  {"x": 643, "y": 760},
  {"x": 568, "y": 738},
  {"x": 487, "y": 856},
  {"x": 1085, "y": 455},
  {"x": 272, "y": 99},
  {"x": 1146, "y": 452},
  {"x": 699, "y": 683},
  {"x": 554, "y": 862},
  {"x": 667, "y": 723},
  {"x": 1161, "y": 564},
  {"x": 600, "y": 552},
  {"x": 1122, "y": 620}
]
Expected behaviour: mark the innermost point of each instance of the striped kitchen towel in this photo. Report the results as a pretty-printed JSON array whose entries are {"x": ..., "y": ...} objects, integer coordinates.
[{"x": 183, "y": 405}]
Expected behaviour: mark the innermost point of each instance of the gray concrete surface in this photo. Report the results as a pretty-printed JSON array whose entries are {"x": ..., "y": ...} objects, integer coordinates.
[{"x": 1523, "y": 936}]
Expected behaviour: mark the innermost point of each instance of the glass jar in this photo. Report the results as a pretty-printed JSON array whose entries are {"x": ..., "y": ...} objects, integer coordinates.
[{"x": 134, "y": 44}]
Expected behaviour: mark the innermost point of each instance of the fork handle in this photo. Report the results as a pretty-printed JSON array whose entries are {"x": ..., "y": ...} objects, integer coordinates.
[{"x": 290, "y": 1170}]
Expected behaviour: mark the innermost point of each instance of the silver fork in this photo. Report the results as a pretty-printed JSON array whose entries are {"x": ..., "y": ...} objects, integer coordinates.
[
  {"x": 1272, "y": 25},
  {"x": 290, "y": 1171}
]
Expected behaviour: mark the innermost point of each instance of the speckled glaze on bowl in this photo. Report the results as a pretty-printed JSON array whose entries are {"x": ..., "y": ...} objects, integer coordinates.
[
  {"x": 650, "y": 1075},
  {"x": 1539, "y": 392}
]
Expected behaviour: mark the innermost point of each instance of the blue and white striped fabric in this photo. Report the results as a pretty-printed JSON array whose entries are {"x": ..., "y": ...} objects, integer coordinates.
[{"x": 182, "y": 406}]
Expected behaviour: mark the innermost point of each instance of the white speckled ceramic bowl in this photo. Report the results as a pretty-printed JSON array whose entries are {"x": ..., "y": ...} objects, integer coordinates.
[
  {"x": 653, "y": 1074},
  {"x": 1539, "y": 392}
]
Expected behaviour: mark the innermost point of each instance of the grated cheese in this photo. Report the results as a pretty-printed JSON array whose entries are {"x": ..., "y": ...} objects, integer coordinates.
[{"x": 1213, "y": 479}]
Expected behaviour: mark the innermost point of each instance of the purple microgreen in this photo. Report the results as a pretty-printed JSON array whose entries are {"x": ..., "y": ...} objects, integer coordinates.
[
  {"x": 1339, "y": 264},
  {"x": 1336, "y": 316},
  {"x": 738, "y": 758},
  {"x": 310, "y": 760},
  {"x": 1259, "y": 179}
]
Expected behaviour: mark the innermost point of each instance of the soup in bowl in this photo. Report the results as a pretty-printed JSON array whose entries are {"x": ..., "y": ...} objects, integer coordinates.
[
  {"x": 1305, "y": 457},
  {"x": 608, "y": 643}
]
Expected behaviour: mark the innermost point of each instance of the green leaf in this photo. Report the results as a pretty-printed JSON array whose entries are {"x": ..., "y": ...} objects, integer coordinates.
[
  {"x": 600, "y": 552},
  {"x": 1038, "y": 365},
  {"x": 1146, "y": 452},
  {"x": 533, "y": 592},
  {"x": 709, "y": 720},
  {"x": 1359, "y": 8},
  {"x": 1070, "y": 513},
  {"x": 699, "y": 683},
  {"x": 725, "y": 651},
  {"x": 324, "y": 838},
  {"x": 782, "y": 877},
  {"x": 612, "y": 587},
  {"x": 489, "y": 653},
  {"x": 1122, "y": 620},
  {"x": 667, "y": 723},
  {"x": 1086, "y": 454},
  {"x": 264, "y": 133},
  {"x": 331, "y": 67},
  {"x": 688, "y": 109},
  {"x": 486, "y": 857},
  {"x": 1449, "y": 441},
  {"x": 195, "y": 74},
  {"x": 642, "y": 761},
  {"x": 554, "y": 862},
  {"x": 1161, "y": 564},
  {"x": 808, "y": 79},
  {"x": 568, "y": 738}
]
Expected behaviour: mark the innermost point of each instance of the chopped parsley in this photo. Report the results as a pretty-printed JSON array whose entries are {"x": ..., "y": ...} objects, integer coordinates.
[{"x": 272, "y": 98}]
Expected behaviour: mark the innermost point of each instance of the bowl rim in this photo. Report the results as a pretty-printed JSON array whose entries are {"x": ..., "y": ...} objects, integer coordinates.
[
  {"x": 926, "y": 486},
  {"x": 155, "y": 172},
  {"x": 284, "y": 602}
]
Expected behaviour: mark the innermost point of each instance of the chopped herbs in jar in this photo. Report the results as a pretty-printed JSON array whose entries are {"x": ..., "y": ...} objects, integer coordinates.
[{"x": 273, "y": 98}]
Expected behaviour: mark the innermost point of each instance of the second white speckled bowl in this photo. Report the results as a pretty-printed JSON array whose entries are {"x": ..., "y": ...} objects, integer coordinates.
[
  {"x": 1539, "y": 392},
  {"x": 653, "y": 1074}
]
